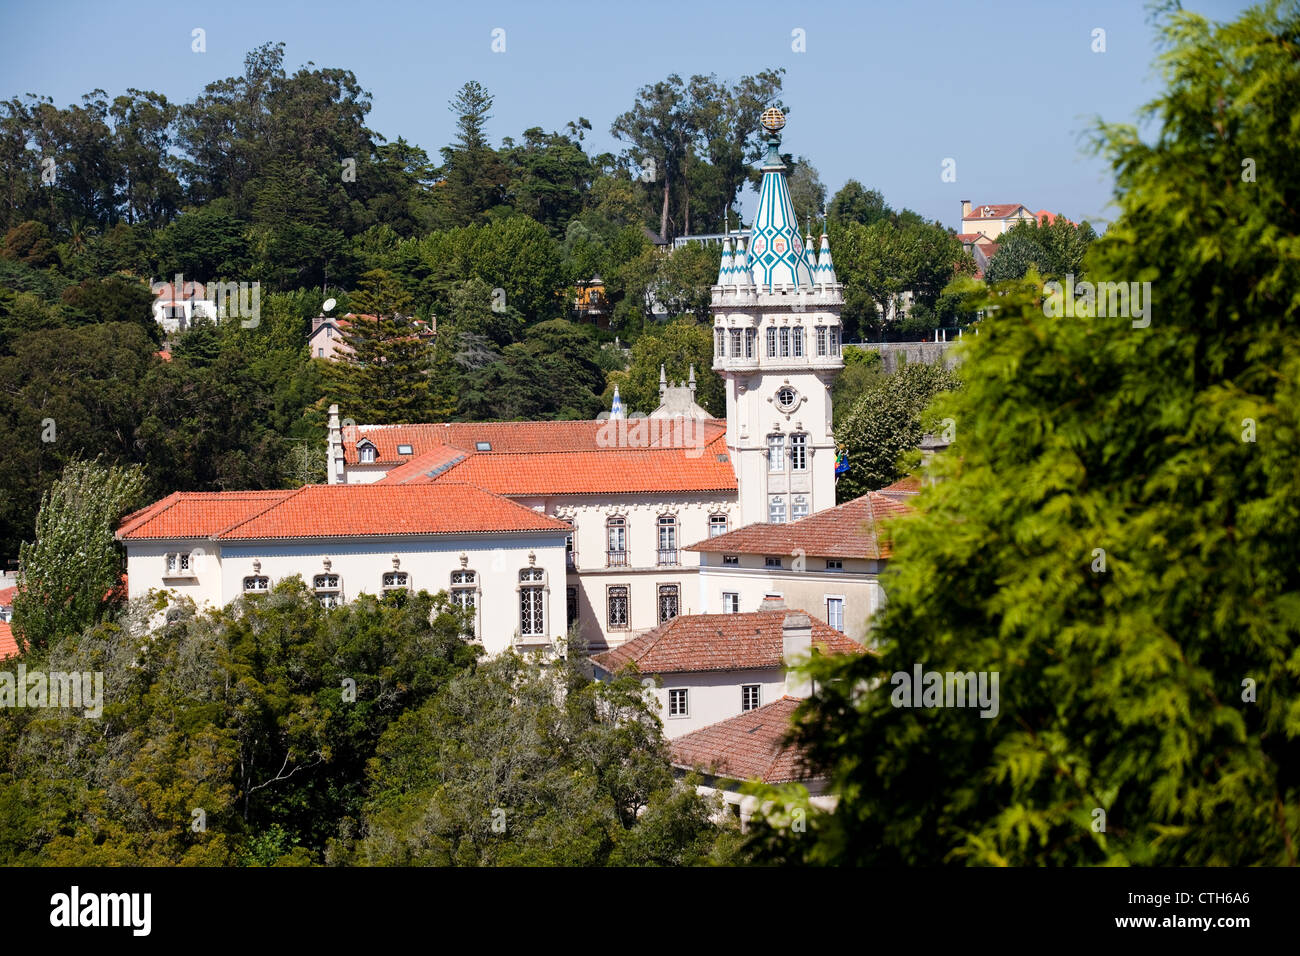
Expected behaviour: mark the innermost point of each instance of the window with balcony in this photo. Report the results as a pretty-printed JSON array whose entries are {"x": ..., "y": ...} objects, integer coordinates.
[
  {"x": 798, "y": 452},
  {"x": 669, "y": 602},
  {"x": 532, "y": 603},
  {"x": 776, "y": 453},
  {"x": 667, "y": 540},
  {"x": 616, "y": 542},
  {"x": 617, "y": 602}
]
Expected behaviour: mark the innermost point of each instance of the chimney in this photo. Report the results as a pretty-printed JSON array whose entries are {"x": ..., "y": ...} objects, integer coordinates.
[
  {"x": 965, "y": 209},
  {"x": 663, "y": 383},
  {"x": 691, "y": 380},
  {"x": 772, "y": 602},
  {"x": 334, "y": 449},
  {"x": 796, "y": 648}
]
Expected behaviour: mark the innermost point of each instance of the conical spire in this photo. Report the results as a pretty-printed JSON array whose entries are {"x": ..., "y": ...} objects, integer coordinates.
[
  {"x": 744, "y": 277},
  {"x": 616, "y": 408},
  {"x": 727, "y": 267},
  {"x": 809, "y": 256},
  {"x": 776, "y": 255},
  {"x": 825, "y": 268}
]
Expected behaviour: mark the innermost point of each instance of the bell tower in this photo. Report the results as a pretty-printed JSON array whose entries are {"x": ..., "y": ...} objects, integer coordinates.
[{"x": 776, "y": 343}]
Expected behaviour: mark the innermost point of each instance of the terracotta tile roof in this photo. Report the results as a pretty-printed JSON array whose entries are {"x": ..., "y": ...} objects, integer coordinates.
[
  {"x": 718, "y": 642},
  {"x": 7, "y": 596},
  {"x": 8, "y": 645},
  {"x": 747, "y": 747},
  {"x": 194, "y": 514},
  {"x": 908, "y": 485},
  {"x": 1047, "y": 218},
  {"x": 994, "y": 211},
  {"x": 425, "y": 466},
  {"x": 503, "y": 437},
  {"x": 969, "y": 237},
  {"x": 850, "y": 530},
  {"x": 317, "y": 511}
]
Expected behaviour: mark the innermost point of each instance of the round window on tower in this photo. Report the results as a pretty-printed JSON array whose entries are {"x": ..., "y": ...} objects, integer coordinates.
[{"x": 786, "y": 397}]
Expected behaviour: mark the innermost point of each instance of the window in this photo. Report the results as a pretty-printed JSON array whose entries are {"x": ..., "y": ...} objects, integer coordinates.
[
  {"x": 667, "y": 539},
  {"x": 720, "y": 342},
  {"x": 366, "y": 453},
  {"x": 616, "y": 551},
  {"x": 799, "y": 507},
  {"x": 735, "y": 343},
  {"x": 571, "y": 606},
  {"x": 798, "y": 452},
  {"x": 796, "y": 335},
  {"x": 772, "y": 561},
  {"x": 570, "y": 555},
  {"x": 834, "y": 564},
  {"x": 749, "y": 697},
  {"x": 482, "y": 446},
  {"x": 730, "y": 602},
  {"x": 531, "y": 617},
  {"x": 771, "y": 343},
  {"x": 329, "y": 333},
  {"x": 776, "y": 453},
  {"x": 326, "y": 587},
  {"x": 835, "y": 340},
  {"x": 821, "y": 340},
  {"x": 396, "y": 581},
  {"x": 776, "y": 509},
  {"x": 785, "y": 342},
  {"x": 835, "y": 613},
  {"x": 717, "y": 525},
  {"x": 178, "y": 565},
  {"x": 464, "y": 593},
  {"x": 678, "y": 702},
  {"x": 786, "y": 397},
  {"x": 257, "y": 584},
  {"x": 616, "y": 600},
  {"x": 730, "y": 560},
  {"x": 669, "y": 603},
  {"x": 403, "y": 449},
  {"x": 320, "y": 353},
  {"x": 751, "y": 337}
]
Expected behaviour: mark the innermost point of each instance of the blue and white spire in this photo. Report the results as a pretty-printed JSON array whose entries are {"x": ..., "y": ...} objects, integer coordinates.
[
  {"x": 727, "y": 267},
  {"x": 776, "y": 253},
  {"x": 825, "y": 273},
  {"x": 744, "y": 278},
  {"x": 616, "y": 408},
  {"x": 809, "y": 255}
]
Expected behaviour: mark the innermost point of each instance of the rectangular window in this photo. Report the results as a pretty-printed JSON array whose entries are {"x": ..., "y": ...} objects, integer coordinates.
[
  {"x": 669, "y": 604},
  {"x": 530, "y": 612},
  {"x": 678, "y": 703},
  {"x": 735, "y": 343},
  {"x": 717, "y": 525},
  {"x": 771, "y": 343},
  {"x": 395, "y": 580},
  {"x": 834, "y": 564},
  {"x": 776, "y": 453},
  {"x": 785, "y": 342},
  {"x": 616, "y": 553},
  {"x": 256, "y": 584},
  {"x": 667, "y": 540},
  {"x": 749, "y": 697},
  {"x": 835, "y": 613},
  {"x": 720, "y": 342},
  {"x": 799, "y": 507},
  {"x": 751, "y": 337},
  {"x": 730, "y": 602},
  {"x": 821, "y": 340},
  {"x": 571, "y": 605},
  {"x": 772, "y": 561},
  {"x": 797, "y": 344},
  {"x": 798, "y": 452},
  {"x": 731, "y": 560},
  {"x": 320, "y": 353},
  {"x": 616, "y": 598},
  {"x": 776, "y": 509}
]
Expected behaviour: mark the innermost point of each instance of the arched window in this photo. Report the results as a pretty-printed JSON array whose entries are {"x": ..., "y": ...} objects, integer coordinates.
[
  {"x": 327, "y": 590},
  {"x": 257, "y": 584},
  {"x": 532, "y": 602},
  {"x": 396, "y": 581}
]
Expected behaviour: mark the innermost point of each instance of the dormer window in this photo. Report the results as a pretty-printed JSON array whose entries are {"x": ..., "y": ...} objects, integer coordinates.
[{"x": 366, "y": 453}]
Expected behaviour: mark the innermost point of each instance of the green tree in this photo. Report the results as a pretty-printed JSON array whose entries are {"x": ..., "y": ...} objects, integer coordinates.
[
  {"x": 70, "y": 576},
  {"x": 473, "y": 173},
  {"x": 675, "y": 346},
  {"x": 1117, "y": 537},
  {"x": 855, "y": 203}
]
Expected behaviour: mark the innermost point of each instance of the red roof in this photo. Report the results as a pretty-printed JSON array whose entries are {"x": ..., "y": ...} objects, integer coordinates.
[
  {"x": 8, "y": 646},
  {"x": 969, "y": 237},
  {"x": 994, "y": 211},
  {"x": 904, "y": 487},
  {"x": 748, "y": 747},
  {"x": 1045, "y": 217},
  {"x": 324, "y": 511},
  {"x": 850, "y": 530},
  {"x": 425, "y": 466},
  {"x": 718, "y": 642},
  {"x": 7, "y": 596}
]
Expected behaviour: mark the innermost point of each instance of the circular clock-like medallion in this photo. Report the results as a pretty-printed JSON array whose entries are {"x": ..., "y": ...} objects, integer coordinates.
[{"x": 786, "y": 397}]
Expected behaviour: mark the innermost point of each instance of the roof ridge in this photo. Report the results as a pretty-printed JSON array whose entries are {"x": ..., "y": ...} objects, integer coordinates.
[{"x": 293, "y": 493}]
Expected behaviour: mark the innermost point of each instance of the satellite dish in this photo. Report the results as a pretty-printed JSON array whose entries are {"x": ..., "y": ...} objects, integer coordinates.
[{"x": 329, "y": 304}]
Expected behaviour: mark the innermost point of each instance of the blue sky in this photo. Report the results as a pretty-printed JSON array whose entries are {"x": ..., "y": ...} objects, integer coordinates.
[{"x": 883, "y": 93}]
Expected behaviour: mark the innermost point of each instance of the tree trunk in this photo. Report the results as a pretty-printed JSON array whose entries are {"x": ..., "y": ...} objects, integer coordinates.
[{"x": 663, "y": 216}]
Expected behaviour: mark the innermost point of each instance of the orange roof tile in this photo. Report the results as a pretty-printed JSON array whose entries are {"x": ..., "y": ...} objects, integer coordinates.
[
  {"x": 8, "y": 645},
  {"x": 750, "y": 746},
  {"x": 718, "y": 642},
  {"x": 995, "y": 211},
  {"x": 429, "y": 464},
  {"x": 7, "y": 596},
  {"x": 850, "y": 530},
  {"x": 318, "y": 511}
]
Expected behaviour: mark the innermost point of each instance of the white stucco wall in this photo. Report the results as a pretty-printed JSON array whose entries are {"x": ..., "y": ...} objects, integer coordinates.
[{"x": 713, "y": 695}]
